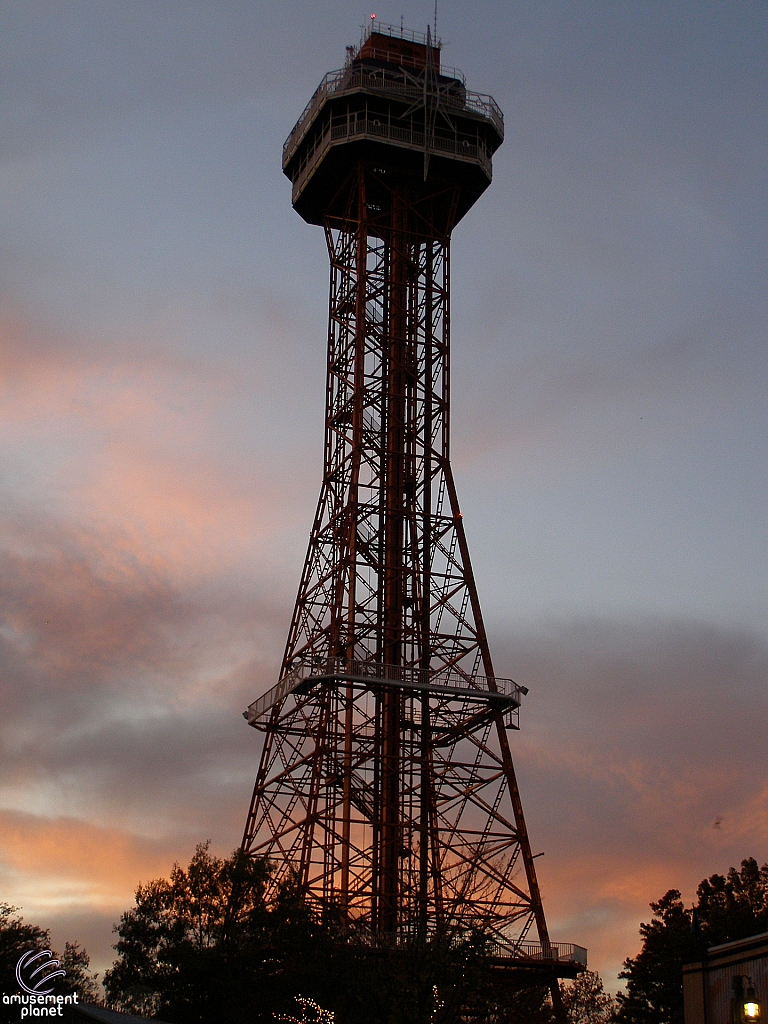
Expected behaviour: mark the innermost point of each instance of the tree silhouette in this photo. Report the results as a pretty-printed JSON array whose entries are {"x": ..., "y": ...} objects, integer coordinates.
[
  {"x": 586, "y": 1001},
  {"x": 735, "y": 905},
  {"x": 191, "y": 942},
  {"x": 202, "y": 947},
  {"x": 728, "y": 907}
]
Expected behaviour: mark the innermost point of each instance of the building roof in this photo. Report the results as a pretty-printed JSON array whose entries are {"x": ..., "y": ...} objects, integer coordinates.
[
  {"x": 740, "y": 944},
  {"x": 88, "y": 1011}
]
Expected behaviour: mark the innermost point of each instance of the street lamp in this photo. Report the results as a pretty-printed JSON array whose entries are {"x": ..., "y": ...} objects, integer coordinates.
[
  {"x": 751, "y": 1003},
  {"x": 746, "y": 1005}
]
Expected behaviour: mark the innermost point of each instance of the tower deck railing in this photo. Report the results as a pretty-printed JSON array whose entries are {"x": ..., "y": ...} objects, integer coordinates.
[
  {"x": 506, "y": 951},
  {"x": 443, "y": 681},
  {"x": 381, "y": 28},
  {"x": 402, "y": 85},
  {"x": 560, "y": 952},
  {"x": 372, "y": 128}
]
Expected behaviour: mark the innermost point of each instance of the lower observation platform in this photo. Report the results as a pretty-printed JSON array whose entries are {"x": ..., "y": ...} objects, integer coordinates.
[
  {"x": 513, "y": 959},
  {"x": 455, "y": 707},
  {"x": 564, "y": 959},
  {"x": 494, "y": 693}
]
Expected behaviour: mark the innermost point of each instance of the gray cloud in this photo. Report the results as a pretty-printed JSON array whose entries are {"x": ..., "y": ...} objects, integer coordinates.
[
  {"x": 120, "y": 686},
  {"x": 636, "y": 735}
]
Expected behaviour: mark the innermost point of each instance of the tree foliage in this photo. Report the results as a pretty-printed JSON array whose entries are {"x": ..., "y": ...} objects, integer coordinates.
[
  {"x": 654, "y": 992},
  {"x": 16, "y": 938},
  {"x": 185, "y": 949},
  {"x": 79, "y": 977},
  {"x": 204, "y": 946},
  {"x": 586, "y": 1001},
  {"x": 734, "y": 906},
  {"x": 728, "y": 907}
]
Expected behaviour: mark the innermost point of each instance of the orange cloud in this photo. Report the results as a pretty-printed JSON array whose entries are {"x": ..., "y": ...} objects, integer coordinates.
[
  {"x": 135, "y": 455},
  {"x": 66, "y": 861}
]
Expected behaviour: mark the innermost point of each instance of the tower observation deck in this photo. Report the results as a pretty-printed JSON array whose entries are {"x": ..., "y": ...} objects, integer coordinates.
[
  {"x": 394, "y": 105},
  {"x": 386, "y": 783}
]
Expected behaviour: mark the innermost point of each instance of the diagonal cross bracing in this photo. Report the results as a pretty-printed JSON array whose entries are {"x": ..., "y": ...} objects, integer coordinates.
[{"x": 383, "y": 772}]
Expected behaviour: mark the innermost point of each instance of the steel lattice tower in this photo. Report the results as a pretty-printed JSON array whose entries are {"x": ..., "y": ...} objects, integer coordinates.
[{"x": 386, "y": 780}]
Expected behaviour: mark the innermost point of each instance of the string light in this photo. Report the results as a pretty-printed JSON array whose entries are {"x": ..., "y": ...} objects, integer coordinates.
[{"x": 311, "y": 1013}]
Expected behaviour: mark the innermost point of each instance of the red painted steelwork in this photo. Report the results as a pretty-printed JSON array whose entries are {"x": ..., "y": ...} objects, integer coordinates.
[{"x": 390, "y": 793}]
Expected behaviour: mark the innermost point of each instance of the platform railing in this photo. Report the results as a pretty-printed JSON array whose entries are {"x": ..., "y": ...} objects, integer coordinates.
[
  {"x": 518, "y": 954},
  {"x": 443, "y": 680},
  {"x": 460, "y": 149},
  {"x": 381, "y": 28},
  {"x": 351, "y": 79},
  {"x": 561, "y": 952}
]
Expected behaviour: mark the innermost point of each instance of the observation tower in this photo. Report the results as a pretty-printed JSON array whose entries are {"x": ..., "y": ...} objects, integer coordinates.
[{"x": 386, "y": 781}]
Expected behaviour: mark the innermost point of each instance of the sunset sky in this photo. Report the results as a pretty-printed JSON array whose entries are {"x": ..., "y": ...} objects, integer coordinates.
[{"x": 162, "y": 351}]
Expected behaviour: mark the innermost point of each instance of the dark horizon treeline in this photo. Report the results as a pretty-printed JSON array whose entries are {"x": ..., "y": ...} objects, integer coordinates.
[{"x": 204, "y": 947}]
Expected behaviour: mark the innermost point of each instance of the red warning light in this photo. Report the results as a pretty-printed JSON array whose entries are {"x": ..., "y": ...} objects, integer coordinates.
[{"x": 373, "y": 17}]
